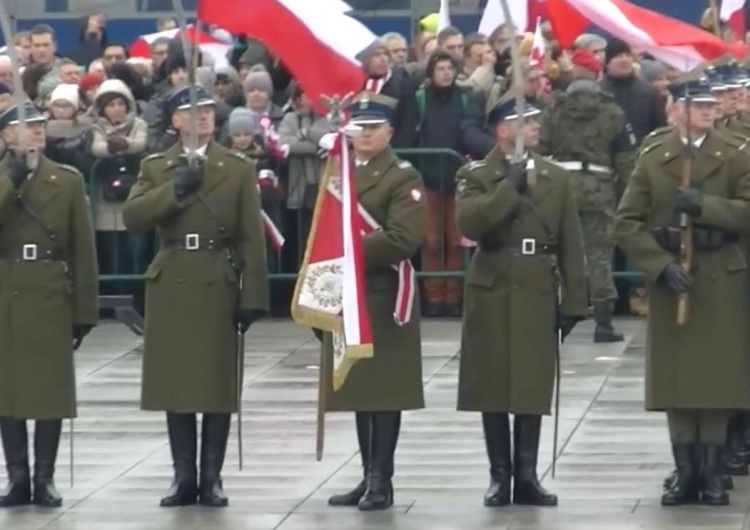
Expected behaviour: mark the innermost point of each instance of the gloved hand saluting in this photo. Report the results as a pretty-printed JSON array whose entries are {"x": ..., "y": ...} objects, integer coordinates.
[
  {"x": 516, "y": 175},
  {"x": 247, "y": 317},
  {"x": 18, "y": 169},
  {"x": 187, "y": 179},
  {"x": 689, "y": 201},
  {"x": 674, "y": 277}
]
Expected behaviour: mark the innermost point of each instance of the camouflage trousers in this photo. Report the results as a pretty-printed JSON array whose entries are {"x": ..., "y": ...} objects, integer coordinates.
[{"x": 599, "y": 241}]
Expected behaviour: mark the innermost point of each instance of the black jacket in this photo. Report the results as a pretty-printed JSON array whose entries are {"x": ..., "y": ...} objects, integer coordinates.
[
  {"x": 475, "y": 136},
  {"x": 643, "y": 107},
  {"x": 440, "y": 127},
  {"x": 406, "y": 117}
]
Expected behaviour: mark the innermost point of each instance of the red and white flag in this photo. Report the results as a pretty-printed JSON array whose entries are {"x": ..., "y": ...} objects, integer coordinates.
[
  {"x": 317, "y": 41},
  {"x": 523, "y": 12},
  {"x": 676, "y": 43},
  {"x": 207, "y": 43},
  {"x": 733, "y": 13},
  {"x": 538, "y": 48}
]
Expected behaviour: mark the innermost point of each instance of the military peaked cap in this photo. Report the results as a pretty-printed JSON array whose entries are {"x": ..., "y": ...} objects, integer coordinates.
[
  {"x": 179, "y": 99},
  {"x": 505, "y": 109},
  {"x": 11, "y": 117},
  {"x": 372, "y": 109}
]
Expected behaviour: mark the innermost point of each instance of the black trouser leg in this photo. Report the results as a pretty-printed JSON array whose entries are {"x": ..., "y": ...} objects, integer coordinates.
[
  {"x": 183, "y": 443},
  {"x": 46, "y": 445},
  {"x": 213, "y": 450},
  {"x": 379, "y": 494},
  {"x": 526, "y": 486},
  {"x": 16, "y": 448},
  {"x": 351, "y": 498},
  {"x": 497, "y": 439},
  {"x": 685, "y": 486}
]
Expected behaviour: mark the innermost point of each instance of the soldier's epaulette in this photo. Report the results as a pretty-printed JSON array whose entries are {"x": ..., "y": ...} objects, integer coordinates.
[
  {"x": 738, "y": 142},
  {"x": 476, "y": 164},
  {"x": 648, "y": 148},
  {"x": 659, "y": 132},
  {"x": 153, "y": 157},
  {"x": 239, "y": 155},
  {"x": 404, "y": 164},
  {"x": 71, "y": 169}
]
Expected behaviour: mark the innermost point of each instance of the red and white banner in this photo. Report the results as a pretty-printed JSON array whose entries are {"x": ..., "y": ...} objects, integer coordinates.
[
  {"x": 207, "y": 43},
  {"x": 523, "y": 12},
  {"x": 733, "y": 13},
  {"x": 273, "y": 233},
  {"x": 677, "y": 43},
  {"x": 317, "y": 41}
]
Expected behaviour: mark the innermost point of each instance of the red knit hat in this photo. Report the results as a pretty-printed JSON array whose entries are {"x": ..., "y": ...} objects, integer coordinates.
[
  {"x": 586, "y": 59},
  {"x": 90, "y": 81}
]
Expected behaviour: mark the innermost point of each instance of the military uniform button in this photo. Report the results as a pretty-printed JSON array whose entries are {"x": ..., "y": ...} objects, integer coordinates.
[{"x": 180, "y": 280}]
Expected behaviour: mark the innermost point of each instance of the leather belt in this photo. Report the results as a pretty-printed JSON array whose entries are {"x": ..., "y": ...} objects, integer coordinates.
[
  {"x": 528, "y": 247},
  {"x": 196, "y": 242},
  {"x": 32, "y": 252},
  {"x": 574, "y": 165},
  {"x": 704, "y": 238}
]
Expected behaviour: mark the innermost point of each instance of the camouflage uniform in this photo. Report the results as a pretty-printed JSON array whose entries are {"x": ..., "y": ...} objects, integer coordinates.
[{"x": 602, "y": 140}]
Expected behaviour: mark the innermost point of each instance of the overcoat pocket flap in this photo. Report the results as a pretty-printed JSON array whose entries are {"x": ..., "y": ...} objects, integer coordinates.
[
  {"x": 736, "y": 263},
  {"x": 480, "y": 279}
]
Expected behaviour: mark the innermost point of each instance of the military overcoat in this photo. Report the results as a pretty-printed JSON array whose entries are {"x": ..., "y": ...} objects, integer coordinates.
[
  {"x": 190, "y": 357},
  {"x": 41, "y": 300},
  {"x": 510, "y": 301},
  {"x": 391, "y": 191},
  {"x": 704, "y": 364}
]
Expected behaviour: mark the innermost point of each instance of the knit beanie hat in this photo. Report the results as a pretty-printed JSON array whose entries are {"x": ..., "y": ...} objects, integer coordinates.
[
  {"x": 614, "y": 48},
  {"x": 652, "y": 70},
  {"x": 4, "y": 89},
  {"x": 90, "y": 81},
  {"x": 242, "y": 121},
  {"x": 229, "y": 72},
  {"x": 365, "y": 56},
  {"x": 258, "y": 79},
  {"x": 46, "y": 86},
  {"x": 65, "y": 94},
  {"x": 206, "y": 78}
]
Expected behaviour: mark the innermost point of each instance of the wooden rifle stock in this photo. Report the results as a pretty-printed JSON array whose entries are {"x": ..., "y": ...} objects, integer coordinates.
[{"x": 686, "y": 238}]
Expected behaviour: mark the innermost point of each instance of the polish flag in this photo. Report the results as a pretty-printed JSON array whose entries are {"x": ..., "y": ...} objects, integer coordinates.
[
  {"x": 538, "y": 48},
  {"x": 207, "y": 43},
  {"x": 444, "y": 16},
  {"x": 316, "y": 40},
  {"x": 733, "y": 13},
  {"x": 678, "y": 44},
  {"x": 523, "y": 12}
]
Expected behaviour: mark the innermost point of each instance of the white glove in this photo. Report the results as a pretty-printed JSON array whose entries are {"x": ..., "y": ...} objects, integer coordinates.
[{"x": 328, "y": 141}]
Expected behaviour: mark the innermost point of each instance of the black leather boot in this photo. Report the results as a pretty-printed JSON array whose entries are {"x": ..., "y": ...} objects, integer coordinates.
[
  {"x": 364, "y": 428},
  {"x": 379, "y": 494},
  {"x": 605, "y": 331},
  {"x": 183, "y": 443},
  {"x": 526, "y": 487},
  {"x": 16, "y": 447},
  {"x": 46, "y": 444},
  {"x": 735, "y": 462},
  {"x": 213, "y": 450},
  {"x": 497, "y": 440},
  {"x": 685, "y": 487},
  {"x": 746, "y": 432},
  {"x": 712, "y": 491}
]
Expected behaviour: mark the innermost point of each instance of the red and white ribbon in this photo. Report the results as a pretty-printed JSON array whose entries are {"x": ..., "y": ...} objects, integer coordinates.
[
  {"x": 272, "y": 232},
  {"x": 273, "y": 140}
]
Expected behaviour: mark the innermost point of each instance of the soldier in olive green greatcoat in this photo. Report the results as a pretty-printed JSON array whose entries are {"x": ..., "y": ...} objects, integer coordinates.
[
  {"x": 379, "y": 388},
  {"x": 530, "y": 244},
  {"x": 48, "y": 300},
  {"x": 209, "y": 224},
  {"x": 700, "y": 370}
]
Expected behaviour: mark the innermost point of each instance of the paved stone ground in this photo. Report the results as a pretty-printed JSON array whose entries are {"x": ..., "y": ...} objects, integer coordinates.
[{"x": 614, "y": 455}]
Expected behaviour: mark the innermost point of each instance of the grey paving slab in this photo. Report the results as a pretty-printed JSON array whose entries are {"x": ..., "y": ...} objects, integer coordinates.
[{"x": 613, "y": 454}]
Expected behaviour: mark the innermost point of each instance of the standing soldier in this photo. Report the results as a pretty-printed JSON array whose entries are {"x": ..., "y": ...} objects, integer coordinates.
[
  {"x": 599, "y": 154},
  {"x": 48, "y": 300},
  {"x": 208, "y": 278},
  {"x": 379, "y": 388},
  {"x": 530, "y": 245},
  {"x": 695, "y": 388}
]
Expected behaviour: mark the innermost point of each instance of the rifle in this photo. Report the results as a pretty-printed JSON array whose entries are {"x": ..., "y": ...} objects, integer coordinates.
[{"x": 686, "y": 226}]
